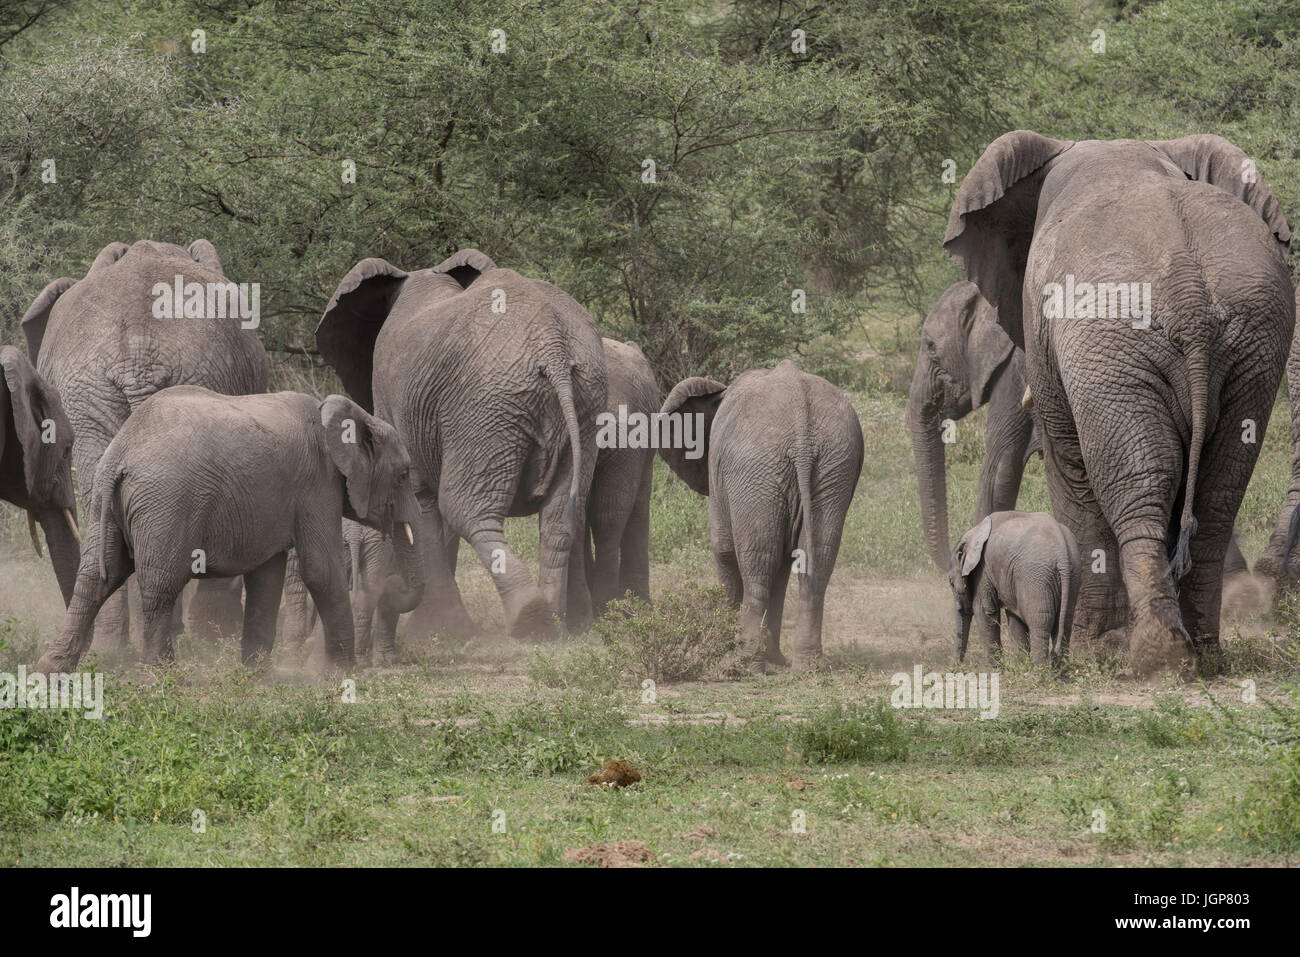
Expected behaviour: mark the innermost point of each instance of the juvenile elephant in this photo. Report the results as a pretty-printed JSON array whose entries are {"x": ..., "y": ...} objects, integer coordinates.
[
  {"x": 201, "y": 483},
  {"x": 1026, "y": 563},
  {"x": 493, "y": 381},
  {"x": 782, "y": 452},
  {"x": 100, "y": 342},
  {"x": 375, "y": 588},
  {"x": 966, "y": 361},
  {"x": 36, "y": 463},
  {"x": 618, "y": 509},
  {"x": 1148, "y": 284}
]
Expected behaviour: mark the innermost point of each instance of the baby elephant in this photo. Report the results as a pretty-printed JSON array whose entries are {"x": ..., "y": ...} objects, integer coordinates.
[
  {"x": 198, "y": 483},
  {"x": 779, "y": 459},
  {"x": 1026, "y": 563}
]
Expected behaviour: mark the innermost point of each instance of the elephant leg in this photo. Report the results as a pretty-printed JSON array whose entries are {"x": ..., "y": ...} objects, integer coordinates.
[
  {"x": 775, "y": 612},
  {"x": 988, "y": 623},
  {"x": 442, "y": 611},
  {"x": 831, "y": 504},
  {"x": 634, "y": 548},
  {"x": 88, "y": 596},
  {"x": 528, "y": 614},
  {"x": 215, "y": 612},
  {"x": 605, "y": 570},
  {"x": 1020, "y": 633},
  {"x": 760, "y": 564},
  {"x": 263, "y": 587},
  {"x": 327, "y": 582},
  {"x": 384, "y": 628},
  {"x": 113, "y": 623},
  {"x": 158, "y": 597},
  {"x": 727, "y": 568}
]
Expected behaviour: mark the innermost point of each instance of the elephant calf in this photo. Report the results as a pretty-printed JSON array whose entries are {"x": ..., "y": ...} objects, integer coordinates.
[
  {"x": 1026, "y": 563},
  {"x": 198, "y": 483},
  {"x": 781, "y": 456}
]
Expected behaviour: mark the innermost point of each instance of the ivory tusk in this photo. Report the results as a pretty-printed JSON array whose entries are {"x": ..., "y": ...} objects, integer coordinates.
[
  {"x": 31, "y": 527},
  {"x": 410, "y": 536},
  {"x": 1027, "y": 400},
  {"x": 72, "y": 525}
]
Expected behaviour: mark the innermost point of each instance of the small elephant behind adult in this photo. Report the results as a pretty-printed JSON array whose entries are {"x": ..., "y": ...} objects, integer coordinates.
[
  {"x": 376, "y": 592},
  {"x": 778, "y": 453},
  {"x": 36, "y": 463},
  {"x": 618, "y": 508},
  {"x": 1026, "y": 563},
  {"x": 201, "y": 483}
]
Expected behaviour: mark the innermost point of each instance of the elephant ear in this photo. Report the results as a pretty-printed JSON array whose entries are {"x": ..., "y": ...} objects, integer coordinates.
[
  {"x": 348, "y": 329},
  {"x": 992, "y": 220},
  {"x": 1212, "y": 159},
  {"x": 347, "y": 436},
  {"x": 38, "y": 314},
  {"x": 109, "y": 255},
  {"x": 988, "y": 349},
  {"x": 204, "y": 253},
  {"x": 26, "y": 403},
  {"x": 970, "y": 550},
  {"x": 465, "y": 266},
  {"x": 690, "y": 396}
]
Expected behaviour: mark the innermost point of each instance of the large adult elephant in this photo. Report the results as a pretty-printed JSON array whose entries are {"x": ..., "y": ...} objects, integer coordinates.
[
  {"x": 36, "y": 462},
  {"x": 618, "y": 510},
  {"x": 1148, "y": 284},
  {"x": 494, "y": 381},
  {"x": 966, "y": 361},
  {"x": 1279, "y": 561},
  {"x": 98, "y": 341}
]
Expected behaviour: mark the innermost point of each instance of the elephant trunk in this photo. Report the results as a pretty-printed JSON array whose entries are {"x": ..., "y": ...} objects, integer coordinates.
[
  {"x": 404, "y": 591},
  {"x": 924, "y": 416},
  {"x": 64, "y": 546},
  {"x": 962, "y": 635},
  {"x": 1010, "y": 434}
]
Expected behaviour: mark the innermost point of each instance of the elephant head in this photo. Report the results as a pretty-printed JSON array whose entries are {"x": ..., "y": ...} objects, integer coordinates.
[
  {"x": 376, "y": 472},
  {"x": 698, "y": 398},
  {"x": 36, "y": 463},
  {"x": 991, "y": 225},
  {"x": 963, "y": 352},
  {"x": 351, "y": 322},
  {"x": 966, "y": 558}
]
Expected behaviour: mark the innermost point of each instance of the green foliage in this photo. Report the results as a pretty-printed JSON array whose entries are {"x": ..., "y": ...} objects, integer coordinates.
[
  {"x": 685, "y": 636},
  {"x": 853, "y": 732}
]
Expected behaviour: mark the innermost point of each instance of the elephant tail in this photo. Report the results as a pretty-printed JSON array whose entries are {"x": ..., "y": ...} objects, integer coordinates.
[
  {"x": 804, "y": 455},
  {"x": 1065, "y": 572},
  {"x": 560, "y": 374},
  {"x": 1198, "y": 381}
]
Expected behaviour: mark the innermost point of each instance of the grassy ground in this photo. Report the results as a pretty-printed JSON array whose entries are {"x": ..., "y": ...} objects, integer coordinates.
[{"x": 432, "y": 753}]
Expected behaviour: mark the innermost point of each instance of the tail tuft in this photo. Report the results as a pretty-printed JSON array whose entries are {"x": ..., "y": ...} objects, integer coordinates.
[{"x": 1181, "y": 563}]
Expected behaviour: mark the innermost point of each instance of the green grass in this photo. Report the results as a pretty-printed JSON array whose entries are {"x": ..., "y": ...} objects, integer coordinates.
[{"x": 283, "y": 771}]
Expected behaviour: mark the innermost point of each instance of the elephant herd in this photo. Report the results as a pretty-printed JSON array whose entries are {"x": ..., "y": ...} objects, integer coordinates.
[
  {"x": 1128, "y": 312},
  {"x": 475, "y": 394}
]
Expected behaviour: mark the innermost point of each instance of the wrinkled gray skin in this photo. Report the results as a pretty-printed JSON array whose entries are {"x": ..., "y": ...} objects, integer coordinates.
[
  {"x": 244, "y": 479},
  {"x": 782, "y": 460},
  {"x": 966, "y": 361},
  {"x": 1142, "y": 428},
  {"x": 1027, "y": 564},
  {"x": 36, "y": 475},
  {"x": 498, "y": 409},
  {"x": 98, "y": 343},
  {"x": 1279, "y": 561},
  {"x": 618, "y": 510},
  {"x": 375, "y": 589}
]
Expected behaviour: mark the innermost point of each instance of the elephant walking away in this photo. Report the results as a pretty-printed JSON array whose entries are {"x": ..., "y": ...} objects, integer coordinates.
[
  {"x": 106, "y": 343},
  {"x": 781, "y": 455},
  {"x": 1148, "y": 285},
  {"x": 1024, "y": 563},
  {"x": 493, "y": 382},
  {"x": 618, "y": 510},
  {"x": 234, "y": 482}
]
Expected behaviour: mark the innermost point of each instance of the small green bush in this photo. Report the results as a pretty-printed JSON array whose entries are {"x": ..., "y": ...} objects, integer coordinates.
[
  {"x": 853, "y": 732},
  {"x": 686, "y": 636}
]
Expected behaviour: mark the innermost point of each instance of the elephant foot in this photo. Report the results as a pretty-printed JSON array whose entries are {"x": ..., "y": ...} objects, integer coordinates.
[
  {"x": 774, "y": 657},
  {"x": 1210, "y": 660},
  {"x": 50, "y": 665},
  {"x": 1242, "y": 596},
  {"x": 804, "y": 664},
  {"x": 531, "y": 618},
  {"x": 1156, "y": 648},
  {"x": 448, "y": 618}
]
